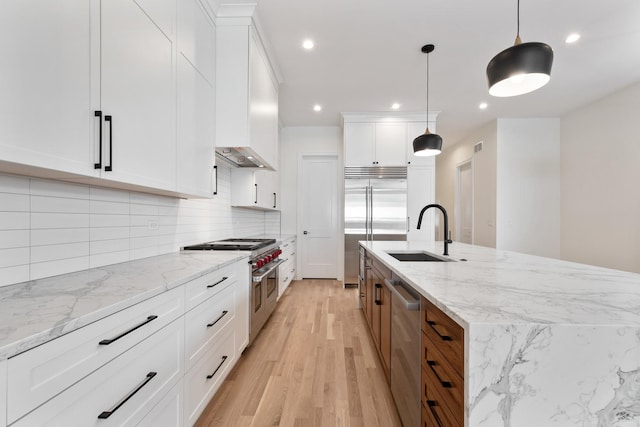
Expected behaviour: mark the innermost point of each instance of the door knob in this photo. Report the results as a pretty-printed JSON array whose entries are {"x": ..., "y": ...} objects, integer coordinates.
[{"x": 305, "y": 232}]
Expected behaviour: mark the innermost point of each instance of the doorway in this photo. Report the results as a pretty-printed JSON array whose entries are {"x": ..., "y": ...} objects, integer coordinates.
[
  {"x": 318, "y": 215},
  {"x": 464, "y": 202}
]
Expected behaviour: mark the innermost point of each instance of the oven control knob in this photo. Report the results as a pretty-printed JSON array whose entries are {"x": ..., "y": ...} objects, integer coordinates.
[{"x": 260, "y": 263}]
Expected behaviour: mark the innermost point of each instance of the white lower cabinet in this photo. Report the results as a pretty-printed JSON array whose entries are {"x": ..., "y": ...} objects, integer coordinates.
[
  {"x": 122, "y": 392},
  {"x": 204, "y": 379},
  {"x": 287, "y": 270},
  {"x": 36, "y": 375},
  {"x": 168, "y": 412}
]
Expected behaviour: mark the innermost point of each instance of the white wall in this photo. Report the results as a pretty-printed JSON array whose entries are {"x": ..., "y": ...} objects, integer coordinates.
[
  {"x": 51, "y": 227},
  {"x": 484, "y": 177},
  {"x": 528, "y": 186},
  {"x": 600, "y": 176}
]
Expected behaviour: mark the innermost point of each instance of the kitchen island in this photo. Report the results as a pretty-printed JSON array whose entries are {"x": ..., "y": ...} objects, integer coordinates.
[{"x": 546, "y": 342}]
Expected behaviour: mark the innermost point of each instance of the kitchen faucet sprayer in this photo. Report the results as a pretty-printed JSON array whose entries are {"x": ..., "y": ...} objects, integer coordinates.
[{"x": 447, "y": 238}]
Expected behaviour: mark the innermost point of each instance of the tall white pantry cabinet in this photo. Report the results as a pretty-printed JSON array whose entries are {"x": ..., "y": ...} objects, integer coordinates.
[{"x": 113, "y": 93}]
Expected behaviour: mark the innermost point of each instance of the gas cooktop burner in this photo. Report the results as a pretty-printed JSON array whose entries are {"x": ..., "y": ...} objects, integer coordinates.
[{"x": 232, "y": 245}]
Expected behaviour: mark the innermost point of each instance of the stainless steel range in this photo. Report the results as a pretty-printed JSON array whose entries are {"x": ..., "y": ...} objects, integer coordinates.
[{"x": 264, "y": 264}]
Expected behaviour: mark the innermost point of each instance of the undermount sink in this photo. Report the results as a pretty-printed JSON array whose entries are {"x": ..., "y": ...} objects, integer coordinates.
[{"x": 418, "y": 256}]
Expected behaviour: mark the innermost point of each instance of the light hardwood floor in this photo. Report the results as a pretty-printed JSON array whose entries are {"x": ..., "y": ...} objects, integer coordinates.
[{"x": 313, "y": 364}]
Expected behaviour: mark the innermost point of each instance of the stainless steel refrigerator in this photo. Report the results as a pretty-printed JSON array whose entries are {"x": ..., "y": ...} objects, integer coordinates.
[{"x": 375, "y": 208}]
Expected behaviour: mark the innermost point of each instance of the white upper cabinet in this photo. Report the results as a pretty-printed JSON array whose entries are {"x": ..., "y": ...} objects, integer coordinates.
[
  {"x": 246, "y": 93},
  {"x": 98, "y": 92},
  {"x": 359, "y": 144},
  {"x": 137, "y": 95},
  {"x": 256, "y": 189},
  {"x": 391, "y": 142},
  {"x": 196, "y": 99},
  {"x": 46, "y": 119}
]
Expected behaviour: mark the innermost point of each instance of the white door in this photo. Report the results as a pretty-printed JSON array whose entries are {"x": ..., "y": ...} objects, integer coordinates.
[
  {"x": 464, "y": 202},
  {"x": 318, "y": 215}
]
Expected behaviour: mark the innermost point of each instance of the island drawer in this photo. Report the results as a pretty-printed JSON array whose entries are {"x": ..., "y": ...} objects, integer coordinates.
[
  {"x": 445, "y": 333},
  {"x": 436, "y": 404},
  {"x": 450, "y": 382}
]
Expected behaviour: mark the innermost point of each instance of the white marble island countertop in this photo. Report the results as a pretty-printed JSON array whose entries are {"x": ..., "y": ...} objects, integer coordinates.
[
  {"x": 34, "y": 312},
  {"x": 547, "y": 342}
]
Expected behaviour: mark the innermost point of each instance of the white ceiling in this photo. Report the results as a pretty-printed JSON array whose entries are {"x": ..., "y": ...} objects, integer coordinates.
[{"x": 367, "y": 56}]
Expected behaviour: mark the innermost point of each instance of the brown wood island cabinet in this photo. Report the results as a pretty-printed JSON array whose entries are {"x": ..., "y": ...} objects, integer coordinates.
[{"x": 442, "y": 368}]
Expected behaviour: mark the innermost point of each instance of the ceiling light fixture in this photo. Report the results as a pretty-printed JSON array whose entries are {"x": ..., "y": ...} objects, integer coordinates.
[
  {"x": 520, "y": 69},
  {"x": 483, "y": 106},
  {"x": 395, "y": 106},
  {"x": 572, "y": 38},
  {"x": 317, "y": 107},
  {"x": 427, "y": 144},
  {"x": 308, "y": 44}
]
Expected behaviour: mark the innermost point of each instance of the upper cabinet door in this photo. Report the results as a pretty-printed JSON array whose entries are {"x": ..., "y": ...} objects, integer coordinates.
[
  {"x": 359, "y": 143},
  {"x": 46, "y": 119},
  {"x": 137, "y": 91},
  {"x": 196, "y": 99},
  {"x": 391, "y": 144}
]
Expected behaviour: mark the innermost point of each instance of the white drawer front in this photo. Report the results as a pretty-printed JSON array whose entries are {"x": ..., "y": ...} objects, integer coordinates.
[
  {"x": 3, "y": 393},
  {"x": 168, "y": 412},
  {"x": 205, "y": 322},
  {"x": 130, "y": 375},
  {"x": 202, "y": 288},
  {"x": 207, "y": 375},
  {"x": 37, "y": 375}
]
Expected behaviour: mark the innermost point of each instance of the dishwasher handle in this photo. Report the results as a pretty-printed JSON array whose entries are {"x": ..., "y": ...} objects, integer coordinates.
[{"x": 411, "y": 305}]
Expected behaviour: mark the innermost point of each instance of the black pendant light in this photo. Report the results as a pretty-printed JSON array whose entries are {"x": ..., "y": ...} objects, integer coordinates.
[
  {"x": 428, "y": 144},
  {"x": 520, "y": 69}
]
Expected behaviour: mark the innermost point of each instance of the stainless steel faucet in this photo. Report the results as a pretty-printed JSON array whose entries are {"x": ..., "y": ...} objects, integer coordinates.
[{"x": 447, "y": 238}]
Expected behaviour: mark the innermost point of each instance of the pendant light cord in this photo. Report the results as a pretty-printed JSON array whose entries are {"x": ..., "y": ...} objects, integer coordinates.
[
  {"x": 518, "y": 20},
  {"x": 427, "y": 90}
]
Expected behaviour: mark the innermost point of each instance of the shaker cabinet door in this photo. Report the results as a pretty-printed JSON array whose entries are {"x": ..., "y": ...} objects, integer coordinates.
[{"x": 46, "y": 117}]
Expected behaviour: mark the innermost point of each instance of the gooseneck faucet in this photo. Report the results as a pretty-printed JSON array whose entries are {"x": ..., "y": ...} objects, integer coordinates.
[{"x": 447, "y": 240}]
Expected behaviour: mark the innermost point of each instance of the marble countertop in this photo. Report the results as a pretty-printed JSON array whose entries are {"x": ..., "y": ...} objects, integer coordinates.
[
  {"x": 37, "y": 311},
  {"x": 502, "y": 287}
]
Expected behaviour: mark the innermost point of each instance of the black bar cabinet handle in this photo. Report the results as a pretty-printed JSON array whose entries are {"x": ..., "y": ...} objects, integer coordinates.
[
  {"x": 109, "y": 341},
  {"x": 256, "y": 201},
  {"x": 275, "y": 199},
  {"x": 109, "y": 119},
  {"x": 106, "y": 414},
  {"x": 433, "y": 326},
  {"x": 375, "y": 294},
  {"x": 218, "y": 368},
  {"x": 98, "y": 114},
  {"x": 218, "y": 282},
  {"x": 224, "y": 313},
  {"x": 215, "y": 170},
  {"x": 432, "y": 364}
]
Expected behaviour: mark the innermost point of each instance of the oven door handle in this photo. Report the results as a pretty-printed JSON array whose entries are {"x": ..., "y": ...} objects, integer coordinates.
[{"x": 259, "y": 278}]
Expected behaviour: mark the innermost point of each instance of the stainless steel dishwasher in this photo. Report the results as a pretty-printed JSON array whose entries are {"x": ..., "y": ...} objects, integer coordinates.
[{"x": 406, "y": 340}]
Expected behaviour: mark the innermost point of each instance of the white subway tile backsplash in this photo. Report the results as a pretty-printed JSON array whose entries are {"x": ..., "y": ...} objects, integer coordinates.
[
  {"x": 14, "y": 184},
  {"x": 56, "y": 236},
  {"x": 49, "y": 227},
  {"x": 14, "y": 239},
  {"x": 11, "y": 202},
  {"x": 14, "y": 256},
  {"x": 59, "y": 220},
  {"x": 59, "y": 204},
  {"x": 63, "y": 251}
]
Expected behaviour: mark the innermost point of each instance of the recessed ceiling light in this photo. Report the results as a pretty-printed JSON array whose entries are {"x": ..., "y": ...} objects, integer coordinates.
[
  {"x": 395, "y": 106},
  {"x": 260, "y": 166},
  {"x": 308, "y": 44},
  {"x": 317, "y": 107},
  {"x": 572, "y": 38},
  {"x": 483, "y": 106}
]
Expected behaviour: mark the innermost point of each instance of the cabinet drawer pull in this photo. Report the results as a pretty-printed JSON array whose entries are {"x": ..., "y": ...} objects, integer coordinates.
[
  {"x": 109, "y": 341},
  {"x": 433, "y": 404},
  {"x": 224, "y": 358},
  {"x": 218, "y": 282},
  {"x": 224, "y": 313},
  {"x": 107, "y": 414},
  {"x": 98, "y": 114},
  {"x": 376, "y": 298},
  {"x": 256, "y": 200},
  {"x": 432, "y": 364},
  {"x": 433, "y": 326},
  {"x": 109, "y": 119},
  {"x": 274, "y": 200}
]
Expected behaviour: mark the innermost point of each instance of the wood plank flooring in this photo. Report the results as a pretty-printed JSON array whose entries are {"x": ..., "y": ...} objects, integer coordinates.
[{"x": 313, "y": 364}]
